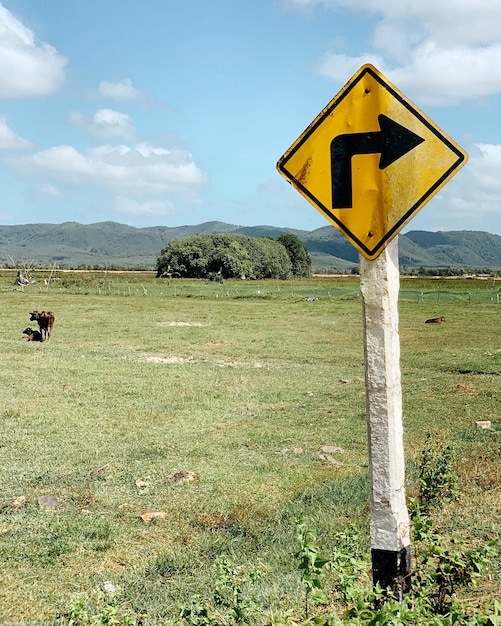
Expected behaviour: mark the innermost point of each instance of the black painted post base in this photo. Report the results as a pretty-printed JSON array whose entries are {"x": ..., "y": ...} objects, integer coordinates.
[{"x": 392, "y": 569}]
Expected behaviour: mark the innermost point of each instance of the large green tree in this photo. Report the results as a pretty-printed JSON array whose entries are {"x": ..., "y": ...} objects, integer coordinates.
[
  {"x": 228, "y": 256},
  {"x": 298, "y": 254}
]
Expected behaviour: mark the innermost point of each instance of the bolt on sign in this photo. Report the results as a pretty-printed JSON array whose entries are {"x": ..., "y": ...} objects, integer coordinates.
[{"x": 370, "y": 161}]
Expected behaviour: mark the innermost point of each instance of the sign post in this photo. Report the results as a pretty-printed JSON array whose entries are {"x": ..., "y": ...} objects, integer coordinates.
[
  {"x": 369, "y": 162},
  {"x": 389, "y": 523}
]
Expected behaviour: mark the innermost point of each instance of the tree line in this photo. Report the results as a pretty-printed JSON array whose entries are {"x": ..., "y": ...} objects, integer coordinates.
[{"x": 235, "y": 256}]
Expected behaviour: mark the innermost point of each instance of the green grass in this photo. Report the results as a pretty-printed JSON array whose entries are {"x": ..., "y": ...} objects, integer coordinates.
[{"x": 241, "y": 383}]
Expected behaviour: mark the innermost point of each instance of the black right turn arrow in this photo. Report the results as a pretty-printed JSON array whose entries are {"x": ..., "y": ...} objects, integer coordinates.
[{"x": 392, "y": 141}]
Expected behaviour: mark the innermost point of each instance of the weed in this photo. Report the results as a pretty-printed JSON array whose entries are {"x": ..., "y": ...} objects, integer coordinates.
[
  {"x": 440, "y": 573},
  {"x": 349, "y": 562},
  {"x": 437, "y": 476},
  {"x": 311, "y": 564},
  {"x": 103, "y": 609},
  {"x": 231, "y": 601},
  {"x": 443, "y": 568}
]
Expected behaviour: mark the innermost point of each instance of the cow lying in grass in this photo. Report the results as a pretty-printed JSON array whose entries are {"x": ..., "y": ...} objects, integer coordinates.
[
  {"x": 45, "y": 321},
  {"x": 33, "y": 335},
  {"x": 436, "y": 320}
]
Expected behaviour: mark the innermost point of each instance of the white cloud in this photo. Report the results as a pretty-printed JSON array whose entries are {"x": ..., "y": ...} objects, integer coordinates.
[
  {"x": 139, "y": 171},
  {"x": 120, "y": 90},
  {"x": 8, "y": 138},
  {"x": 440, "y": 76},
  {"x": 485, "y": 165},
  {"x": 151, "y": 208},
  {"x": 29, "y": 68},
  {"x": 50, "y": 191},
  {"x": 339, "y": 67},
  {"x": 443, "y": 50},
  {"x": 472, "y": 199},
  {"x": 60, "y": 162},
  {"x": 105, "y": 124},
  {"x": 443, "y": 76},
  {"x": 447, "y": 22},
  {"x": 142, "y": 180}
]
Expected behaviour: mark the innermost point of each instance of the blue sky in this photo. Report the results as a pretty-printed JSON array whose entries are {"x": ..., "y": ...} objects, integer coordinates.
[{"x": 170, "y": 113}]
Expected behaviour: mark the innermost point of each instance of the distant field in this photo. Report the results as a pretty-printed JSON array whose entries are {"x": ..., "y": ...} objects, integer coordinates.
[
  {"x": 239, "y": 384},
  {"x": 127, "y": 283}
]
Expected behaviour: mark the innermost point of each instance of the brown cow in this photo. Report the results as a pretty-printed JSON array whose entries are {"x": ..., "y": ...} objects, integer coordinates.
[
  {"x": 33, "y": 335},
  {"x": 436, "y": 320},
  {"x": 45, "y": 321}
]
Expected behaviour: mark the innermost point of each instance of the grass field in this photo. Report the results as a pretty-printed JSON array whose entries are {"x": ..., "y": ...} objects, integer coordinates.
[{"x": 240, "y": 385}]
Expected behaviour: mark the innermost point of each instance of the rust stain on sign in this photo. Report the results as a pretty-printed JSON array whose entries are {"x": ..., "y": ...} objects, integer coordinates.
[{"x": 303, "y": 174}]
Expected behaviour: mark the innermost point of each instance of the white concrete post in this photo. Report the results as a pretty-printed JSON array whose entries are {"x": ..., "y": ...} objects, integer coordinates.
[{"x": 389, "y": 523}]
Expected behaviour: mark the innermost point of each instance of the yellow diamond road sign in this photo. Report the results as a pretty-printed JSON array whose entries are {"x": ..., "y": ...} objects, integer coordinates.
[{"x": 370, "y": 161}]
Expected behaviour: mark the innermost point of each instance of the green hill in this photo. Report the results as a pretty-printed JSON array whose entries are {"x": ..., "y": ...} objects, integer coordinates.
[
  {"x": 458, "y": 248},
  {"x": 114, "y": 245},
  {"x": 454, "y": 249}
]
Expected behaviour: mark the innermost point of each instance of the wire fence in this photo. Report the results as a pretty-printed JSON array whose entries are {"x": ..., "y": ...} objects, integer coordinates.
[
  {"x": 491, "y": 295},
  {"x": 137, "y": 284}
]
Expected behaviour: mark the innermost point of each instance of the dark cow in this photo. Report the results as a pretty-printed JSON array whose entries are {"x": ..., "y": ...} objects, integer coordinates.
[
  {"x": 45, "y": 321},
  {"x": 33, "y": 335},
  {"x": 436, "y": 320}
]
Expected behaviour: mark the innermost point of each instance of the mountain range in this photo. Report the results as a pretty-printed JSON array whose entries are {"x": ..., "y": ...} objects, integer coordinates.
[{"x": 114, "y": 245}]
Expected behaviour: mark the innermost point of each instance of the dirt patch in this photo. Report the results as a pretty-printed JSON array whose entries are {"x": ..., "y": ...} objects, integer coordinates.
[
  {"x": 196, "y": 324},
  {"x": 179, "y": 360},
  {"x": 467, "y": 390},
  {"x": 172, "y": 360}
]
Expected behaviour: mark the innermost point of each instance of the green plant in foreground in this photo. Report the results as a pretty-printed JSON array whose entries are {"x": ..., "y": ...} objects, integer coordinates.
[
  {"x": 230, "y": 603},
  {"x": 440, "y": 572},
  {"x": 106, "y": 609},
  {"x": 311, "y": 565},
  {"x": 437, "y": 477},
  {"x": 441, "y": 569},
  {"x": 349, "y": 562}
]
